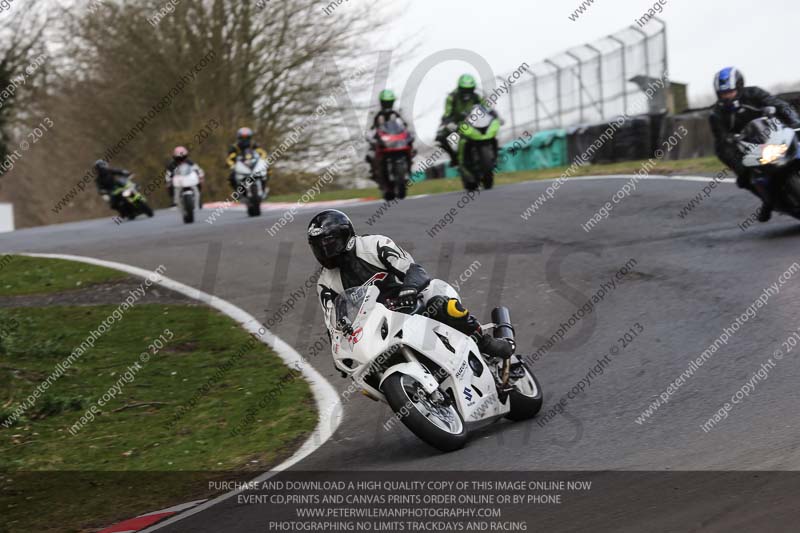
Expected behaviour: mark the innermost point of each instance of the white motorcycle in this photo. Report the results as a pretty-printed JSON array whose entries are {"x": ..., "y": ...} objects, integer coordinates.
[
  {"x": 186, "y": 183},
  {"x": 251, "y": 180},
  {"x": 433, "y": 377}
]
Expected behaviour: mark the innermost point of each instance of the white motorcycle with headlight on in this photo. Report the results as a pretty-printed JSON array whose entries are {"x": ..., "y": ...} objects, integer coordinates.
[
  {"x": 772, "y": 150},
  {"x": 186, "y": 184},
  {"x": 251, "y": 180},
  {"x": 433, "y": 377}
]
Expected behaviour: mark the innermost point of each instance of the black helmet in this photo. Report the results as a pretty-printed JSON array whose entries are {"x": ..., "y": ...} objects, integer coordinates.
[
  {"x": 100, "y": 163},
  {"x": 331, "y": 234},
  {"x": 728, "y": 80}
]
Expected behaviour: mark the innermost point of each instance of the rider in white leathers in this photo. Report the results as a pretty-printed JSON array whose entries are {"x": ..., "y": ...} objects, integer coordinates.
[{"x": 351, "y": 261}]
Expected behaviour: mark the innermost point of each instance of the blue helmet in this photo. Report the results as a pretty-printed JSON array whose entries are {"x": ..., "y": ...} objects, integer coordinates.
[{"x": 726, "y": 80}]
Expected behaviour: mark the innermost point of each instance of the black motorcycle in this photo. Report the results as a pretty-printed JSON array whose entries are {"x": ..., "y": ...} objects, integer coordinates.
[{"x": 771, "y": 149}]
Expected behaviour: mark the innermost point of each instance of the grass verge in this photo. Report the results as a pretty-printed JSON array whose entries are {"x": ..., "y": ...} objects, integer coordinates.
[
  {"x": 20, "y": 275},
  {"x": 165, "y": 426}
]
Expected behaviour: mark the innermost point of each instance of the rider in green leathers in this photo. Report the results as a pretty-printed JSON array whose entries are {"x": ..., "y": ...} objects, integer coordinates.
[{"x": 457, "y": 108}]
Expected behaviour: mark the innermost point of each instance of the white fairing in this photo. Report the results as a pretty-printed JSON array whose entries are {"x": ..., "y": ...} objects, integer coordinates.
[
  {"x": 185, "y": 177},
  {"x": 249, "y": 171},
  {"x": 186, "y": 181},
  {"x": 376, "y": 340},
  {"x": 243, "y": 171}
]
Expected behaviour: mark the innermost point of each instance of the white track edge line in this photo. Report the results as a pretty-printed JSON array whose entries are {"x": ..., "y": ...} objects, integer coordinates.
[
  {"x": 326, "y": 397},
  {"x": 629, "y": 176}
]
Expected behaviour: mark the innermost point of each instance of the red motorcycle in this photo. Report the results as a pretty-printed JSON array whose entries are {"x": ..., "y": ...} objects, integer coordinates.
[{"x": 394, "y": 151}]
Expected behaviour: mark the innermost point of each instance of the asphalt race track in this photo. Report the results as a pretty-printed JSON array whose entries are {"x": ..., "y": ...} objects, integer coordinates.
[{"x": 689, "y": 280}]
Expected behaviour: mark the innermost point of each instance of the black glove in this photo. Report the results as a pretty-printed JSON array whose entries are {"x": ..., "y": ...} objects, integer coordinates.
[{"x": 407, "y": 297}]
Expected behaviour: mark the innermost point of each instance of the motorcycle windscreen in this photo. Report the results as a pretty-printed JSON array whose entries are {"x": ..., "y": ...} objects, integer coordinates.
[
  {"x": 249, "y": 158},
  {"x": 480, "y": 118},
  {"x": 354, "y": 303},
  {"x": 242, "y": 169},
  {"x": 393, "y": 127},
  {"x": 760, "y": 130}
]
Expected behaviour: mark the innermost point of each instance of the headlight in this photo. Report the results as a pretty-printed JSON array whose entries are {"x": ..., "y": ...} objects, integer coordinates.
[
  {"x": 127, "y": 192},
  {"x": 772, "y": 152}
]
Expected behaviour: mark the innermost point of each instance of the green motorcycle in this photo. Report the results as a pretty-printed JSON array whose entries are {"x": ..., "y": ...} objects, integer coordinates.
[
  {"x": 478, "y": 148},
  {"x": 128, "y": 201}
]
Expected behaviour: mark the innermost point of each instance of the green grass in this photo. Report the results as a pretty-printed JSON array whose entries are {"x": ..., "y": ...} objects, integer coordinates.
[
  {"x": 688, "y": 166},
  {"x": 129, "y": 460},
  {"x": 30, "y": 275}
]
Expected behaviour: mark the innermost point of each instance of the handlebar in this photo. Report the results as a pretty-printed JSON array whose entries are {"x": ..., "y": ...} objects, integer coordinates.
[{"x": 393, "y": 305}]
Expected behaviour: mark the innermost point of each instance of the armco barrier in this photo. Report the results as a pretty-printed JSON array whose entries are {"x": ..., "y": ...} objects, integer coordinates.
[
  {"x": 699, "y": 142},
  {"x": 634, "y": 139}
]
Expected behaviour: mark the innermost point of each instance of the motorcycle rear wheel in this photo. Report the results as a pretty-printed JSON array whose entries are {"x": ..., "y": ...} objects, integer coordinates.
[{"x": 526, "y": 398}]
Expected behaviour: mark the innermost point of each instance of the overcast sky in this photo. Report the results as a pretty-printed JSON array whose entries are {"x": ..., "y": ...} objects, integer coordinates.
[{"x": 703, "y": 36}]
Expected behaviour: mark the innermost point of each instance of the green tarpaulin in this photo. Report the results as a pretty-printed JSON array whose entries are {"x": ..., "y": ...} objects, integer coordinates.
[{"x": 546, "y": 149}]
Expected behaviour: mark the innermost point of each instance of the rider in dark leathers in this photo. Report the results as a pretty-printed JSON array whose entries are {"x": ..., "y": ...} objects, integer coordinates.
[
  {"x": 244, "y": 141},
  {"x": 732, "y": 112},
  {"x": 386, "y": 113},
  {"x": 108, "y": 178},
  {"x": 351, "y": 261}
]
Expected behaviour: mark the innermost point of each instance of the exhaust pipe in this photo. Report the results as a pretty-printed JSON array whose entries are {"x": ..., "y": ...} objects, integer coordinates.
[{"x": 501, "y": 317}]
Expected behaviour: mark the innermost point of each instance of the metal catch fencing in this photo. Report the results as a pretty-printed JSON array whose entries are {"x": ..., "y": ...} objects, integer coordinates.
[{"x": 623, "y": 73}]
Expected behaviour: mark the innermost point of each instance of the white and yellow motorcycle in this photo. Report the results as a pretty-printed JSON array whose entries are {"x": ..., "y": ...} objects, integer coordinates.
[
  {"x": 251, "y": 172},
  {"x": 433, "y": 377}
]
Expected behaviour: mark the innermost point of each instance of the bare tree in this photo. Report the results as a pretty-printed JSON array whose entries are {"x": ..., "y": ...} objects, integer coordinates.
[
  {"x": 134, "y": 80},
  {"x": 23, "y": 70}
]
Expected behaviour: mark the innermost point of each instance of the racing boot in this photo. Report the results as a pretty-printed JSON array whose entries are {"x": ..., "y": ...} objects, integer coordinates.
[{"x": 499, "y": 348}]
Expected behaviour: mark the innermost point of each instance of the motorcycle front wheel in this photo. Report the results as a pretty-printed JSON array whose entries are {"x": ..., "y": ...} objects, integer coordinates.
[
  {"x": 400, "y": 173},
  {"x": 468, "y": 169},
  {"x": 437, "y": 423},
  {"x": 146, "y": 209},
  {"x": 254, "y": 201},
  {"x": 469, "y": 181},
  {"x": 188, "y": 209},
  {"x": 488, "y": 159}
]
